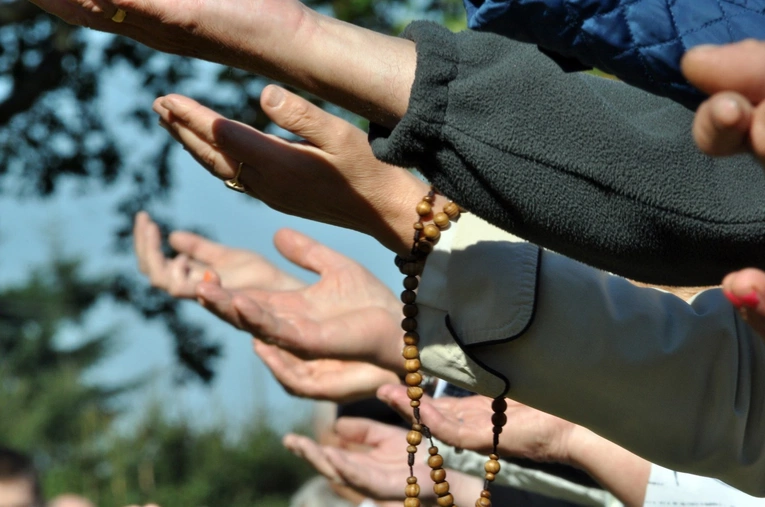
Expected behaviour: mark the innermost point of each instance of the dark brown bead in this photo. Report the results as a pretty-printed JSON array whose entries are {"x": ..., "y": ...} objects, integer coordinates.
[
  {"x": 411, "y": 282},
  {"x": 441, "y": 488},
  {"x": 438, "y": 475},
  {"x": 431, "y": 232},
  {"x": 489, "y": 476},
  {"x": 410, "y": 352},
  {"x": 414, "y": 393},
  {"x": 413, "y": 379},
  {"x": 412, "y": 365},
  {"x": 424, "y": 208},
  {"x": 435, "y": 461},
  {"x": 425, "y": 246},
  {"x": 409, "y": 324},
  {"x": 414, "y": 437},
  {"x": 499, "y": 405},
  {"x": 410, "y": 310},
  {"x": 414, "y": 403},
  {"x": 445, "y": 501},
  {"x": 408, "y": 297},
  {"x": 452, "y": 210},
  {"x": 411, "y": 479},
  {"x": 412, "y": 490},
  {"x": 412, "y": 268},
  {"x": 492, "y": 466},
  {"x": 441, "y": 220},
  {"x": 433, "y": 450},
  {"x": 418, "y": 226},
  {"x": 498, "y": 419},
  {"x": 412, "y": 502},
  {"x": 411, "y": 449}
]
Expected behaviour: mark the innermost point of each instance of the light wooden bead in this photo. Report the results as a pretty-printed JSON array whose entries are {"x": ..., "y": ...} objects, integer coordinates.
[
  {"x": 441, "y": 220},
  {"x": 424, "y": 208},
  {"x": 414, "y": 393},
  {"x": 429, "y": 198},
  {"x": 489, "y": 476},
  {"x": 412, "y": 502},
  {"x": 485, "y": 493},
  {"x": 445, "y": 501},
  {"x": 441, "y": 488},
  {"x": 492, "y": 466},
  {"x": 438, "y": 475},
  {"x": 409, "y": 324},
  {"x": 411, "y": 282},
  {"x": 410, "y": 352},
  {"x": 412, "y": 490},
  {"x": 409, "y": 340},
  {"x": 494, "y": 457},
  {"x": 483, "y": 502},
  {"x": 435, "y": 461},
  {"x": 412, "y": 365},
  {"x": 410, "y": 310},
  {"x": 433, "y": 450},
  {"x": 408, "y": 297},
  {"x": 417, "y": 427},
  {"x": 431, "y": 232},
  {"x": 414, "y": 403},
  {"x": 411, "y": 449},
  {"x": 452, "y": 210},
  {"x": 411, "y": 335},
  {"x": 413, "y": 379},
  {"x": 418, "y": 226},
  {"x": 411, "y": 479},
  {"x": 414, "y": 437}
]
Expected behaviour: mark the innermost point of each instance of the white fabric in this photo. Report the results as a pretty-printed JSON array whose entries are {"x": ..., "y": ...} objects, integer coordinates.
[
  {"x": 668, "y": 488},
  {"x": 679, "y": 384}
]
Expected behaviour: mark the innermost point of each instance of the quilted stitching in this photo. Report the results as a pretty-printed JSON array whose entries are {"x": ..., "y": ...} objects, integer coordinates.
[{"x": 640, "y": 41}]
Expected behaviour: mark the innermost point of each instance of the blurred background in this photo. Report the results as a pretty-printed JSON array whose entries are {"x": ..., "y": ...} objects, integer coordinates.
[{"x": 118, "y": 392}]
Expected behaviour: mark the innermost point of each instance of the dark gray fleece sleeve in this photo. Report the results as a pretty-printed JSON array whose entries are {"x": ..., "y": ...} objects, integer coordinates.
[{"x": 588, "y": 167}]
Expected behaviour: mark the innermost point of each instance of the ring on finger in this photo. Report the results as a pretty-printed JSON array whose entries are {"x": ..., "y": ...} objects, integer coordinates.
[
  {"x": 234, "y": 183},
  {"x": 119, "y": 16}
]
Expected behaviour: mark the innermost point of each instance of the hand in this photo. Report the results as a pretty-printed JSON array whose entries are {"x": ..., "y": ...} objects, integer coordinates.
[
  {"x": 333, "y": 178},
  {"x": 732, "y": 120},
  {"x": 370, "y": 459},
  {"x": 323, "y": 379},
  {"x": 466, "y": 423},
  {"x": 198, "y": 258},
  {"x": 746, "y": 290},
  {"x": 348, "y": 314}
]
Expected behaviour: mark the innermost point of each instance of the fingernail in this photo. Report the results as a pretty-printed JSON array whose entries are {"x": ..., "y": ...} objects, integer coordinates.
[
  {"x": 735, "y": 301},
  {"x": 727, "y": 110},
  {"x": 751, "y": 300},
  {"x": 274, "y": 96}
]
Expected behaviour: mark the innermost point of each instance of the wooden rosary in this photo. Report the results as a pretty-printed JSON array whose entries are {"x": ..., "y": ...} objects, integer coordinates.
[{"x": 425, "y": 237}]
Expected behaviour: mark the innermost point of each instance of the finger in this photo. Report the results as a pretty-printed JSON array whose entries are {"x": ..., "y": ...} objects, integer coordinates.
[
  {"x": 360, "y": 430},
  {"x": 139, "y": 240},
  {"x": 219, "y": 302},
  {"x": 299, "y": 116},
  {"x": 738, "y": 67},
  {"x": 363, "y": 472},
  {"x": 721, "y": 125},
  {"x": 259, "y": 321},
  {"x": 287, "y": 369},
  {"x": 155, "y": 261},
  {"x": 197, "y": 247},
  {"x": 310, "y": 451},
  {"x": 307, "y": 252}
]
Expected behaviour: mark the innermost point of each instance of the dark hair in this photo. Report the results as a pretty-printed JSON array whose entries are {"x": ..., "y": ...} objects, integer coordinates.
[{"x": 17, "y": 466}]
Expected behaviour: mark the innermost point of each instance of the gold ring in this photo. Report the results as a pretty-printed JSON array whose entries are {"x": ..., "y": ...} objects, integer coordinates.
[
  {"x": 234, "y": 183},
  {"x": 119, "y": 16}
]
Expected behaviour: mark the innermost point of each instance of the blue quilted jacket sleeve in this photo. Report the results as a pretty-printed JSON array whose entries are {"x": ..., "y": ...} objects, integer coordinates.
[{"x": 639, "y": 41}]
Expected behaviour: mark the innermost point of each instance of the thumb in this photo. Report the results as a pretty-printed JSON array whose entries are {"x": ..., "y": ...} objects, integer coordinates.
[
  {"x": 737, "y": 67},
  {"x": 299, "y": 116},
  {"x": 307, "y": 252}
]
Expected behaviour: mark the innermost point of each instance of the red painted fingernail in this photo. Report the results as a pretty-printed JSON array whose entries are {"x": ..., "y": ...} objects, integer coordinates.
[
  {"x": 735, "y": 301},
  {"x": 207, "y": 277},
  {"x": 751, "y": 300}
]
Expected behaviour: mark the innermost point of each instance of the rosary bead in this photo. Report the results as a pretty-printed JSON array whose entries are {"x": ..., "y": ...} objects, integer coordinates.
[
  {"x": 438, "y": 475},
  {"x": 445, "y": 501},
  {"x": 431, "y": 232},
  {"x": 410, "y": 310},
  {"x": 414, "y": 438},
  {"x": 412, "y": 502},
  {"x": 441, "y": 220},
  {"x": 411, "y": 282},
  {"x": 414, "y": 393},
  {"x": 499, "y": 405},
  {"x": 425, "y": 247},
  {"x": 412, "y": 365},
  {"x": 424, "y": 208},
  {"x": 410, "y": 352},
  {"x": 499, "y": 419},
  {"x": 412, "y": 490},
  {"x": 452, "y": 210},
  {"x": 412, "y": 268},
  {"x": 433, "y": 450},
  {"x": 492, "y": 466},
  {"x": 414, "y": 403},
  {"x": 489, "y": 476},
  {"x": 408, "y": 297},
  {"x": 411, "y": 338},
  {"x": 485, "y": 493},
  {"x": 435, "y": 461},
  {"x": 494, "y": 457},
  {"x": 411, "y": 479},
  {"x": 417, "y": 427},
  {"x": 483, "y": 502},
  {"x": 409, "y": 324},
  {"x": 418, "y": 226},
  {"x": 411, "y": 449},
  {"x": 429, "y": 198},
  {"x": 413, "y": 379},
  {"x": 441, "y": 488}
]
